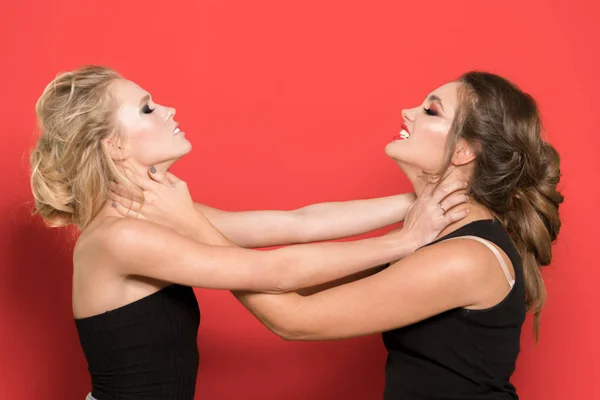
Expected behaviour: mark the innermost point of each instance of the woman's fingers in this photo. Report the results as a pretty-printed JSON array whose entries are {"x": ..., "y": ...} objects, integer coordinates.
[
  {"x": 446, "y": 189},
  {"x": 131, "y": 193},
  {"x": 126, "y": 212}
]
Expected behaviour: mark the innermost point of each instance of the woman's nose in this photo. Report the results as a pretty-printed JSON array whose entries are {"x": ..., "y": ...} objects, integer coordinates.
[
  {"x": 170, "y": 113},
  {"x": 408, "y": 114}
]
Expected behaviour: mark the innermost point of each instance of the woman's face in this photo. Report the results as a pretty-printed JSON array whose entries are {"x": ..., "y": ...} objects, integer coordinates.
[
  {"x": 420, "y": 147},
  {"x": 148, "y": 134}
]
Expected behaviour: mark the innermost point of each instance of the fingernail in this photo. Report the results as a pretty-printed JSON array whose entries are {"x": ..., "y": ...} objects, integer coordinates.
[
  {"x": 152, "y": 169},
  {"x": 114, "y": 204}
]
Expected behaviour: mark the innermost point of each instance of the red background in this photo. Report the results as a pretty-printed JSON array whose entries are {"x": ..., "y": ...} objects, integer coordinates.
[{"x": 286, "y": 104}]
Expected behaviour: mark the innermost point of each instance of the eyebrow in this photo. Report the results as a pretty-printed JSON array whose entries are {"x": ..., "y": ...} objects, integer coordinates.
[
  {"x": 434, "y": 98},
  {"x": 145, "y": 100}
]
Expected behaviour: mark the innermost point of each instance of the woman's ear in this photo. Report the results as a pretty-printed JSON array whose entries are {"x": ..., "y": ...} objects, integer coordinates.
[
  {"x": 464, "y": 153},
  {"x": 115, "y": 148}
]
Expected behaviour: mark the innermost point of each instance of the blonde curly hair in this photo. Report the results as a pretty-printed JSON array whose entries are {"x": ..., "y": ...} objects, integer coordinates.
[{"x": 70, "y": 167}]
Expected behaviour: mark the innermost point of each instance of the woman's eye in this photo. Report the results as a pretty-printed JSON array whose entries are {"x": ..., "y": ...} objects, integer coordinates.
[
  {"x": 146, "y": 109},
  {"x": 430, "y": 111}
]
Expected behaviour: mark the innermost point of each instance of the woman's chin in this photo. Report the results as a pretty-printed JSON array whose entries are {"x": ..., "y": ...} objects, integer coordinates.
[
  {"x": 389, "y": 149},
  {"x": 183, "y": 151},
  {"x": 392, "y": 153}
]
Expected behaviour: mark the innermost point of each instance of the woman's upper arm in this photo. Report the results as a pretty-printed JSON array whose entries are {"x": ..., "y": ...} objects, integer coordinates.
[
  {"x": 430, "y": 281},
  {"x": 143, "y": 248}
]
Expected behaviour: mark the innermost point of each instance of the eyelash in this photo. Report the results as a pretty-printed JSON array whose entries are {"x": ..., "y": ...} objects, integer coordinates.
[
  {"x": 146, "y": 109},
  {"x": 429, "y": 111}
]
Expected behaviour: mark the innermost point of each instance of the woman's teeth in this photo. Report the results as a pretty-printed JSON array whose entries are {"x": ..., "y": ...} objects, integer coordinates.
[
  {"x": 176, "y": 131},
  {"x": 404, "y": 134}
]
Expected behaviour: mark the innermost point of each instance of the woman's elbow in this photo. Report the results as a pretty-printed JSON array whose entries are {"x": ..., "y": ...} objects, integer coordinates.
[
  {"x": 286, "y": 327},
  {"x": 289, "y": 333},
  {"x": 284, "y": 278},
  {"x": 292, "y": 328}
]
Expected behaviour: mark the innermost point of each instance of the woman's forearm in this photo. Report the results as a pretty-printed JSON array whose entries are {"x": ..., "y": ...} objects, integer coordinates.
[
  {"x": 307, "y": 265},
  {"x": 334, "y": 220},
  {"x": 200, "y": 229},
  {"x": 312, "y": 223}
]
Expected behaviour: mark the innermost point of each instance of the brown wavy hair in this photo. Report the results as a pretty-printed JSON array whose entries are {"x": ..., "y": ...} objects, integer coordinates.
[{"x": 515, "y": 173}]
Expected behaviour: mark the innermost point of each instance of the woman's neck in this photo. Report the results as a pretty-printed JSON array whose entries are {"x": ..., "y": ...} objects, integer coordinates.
[{"x": 477, "y": 211}]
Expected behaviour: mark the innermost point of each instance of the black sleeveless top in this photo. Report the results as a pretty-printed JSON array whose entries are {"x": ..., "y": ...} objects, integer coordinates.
[
  {"x": 146, "y": 349},
  {"x": 461, "y": 354}
]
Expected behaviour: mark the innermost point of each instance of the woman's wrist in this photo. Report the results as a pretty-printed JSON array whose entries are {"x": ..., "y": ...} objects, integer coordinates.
[
  {"x": 398, "y": 244},
  {"x": 197, "y": 227}
]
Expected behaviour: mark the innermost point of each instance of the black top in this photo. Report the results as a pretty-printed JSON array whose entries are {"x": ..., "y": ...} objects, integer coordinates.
[
  {"x": 461, "y": 354},
  {"x": 146, "y": 349}
]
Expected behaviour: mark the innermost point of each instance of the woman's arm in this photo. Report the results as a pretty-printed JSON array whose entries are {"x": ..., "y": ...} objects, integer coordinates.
[
  {"x": 263, "y": 228},
  {"x": 143, "y": 248},
  {"x": 435, "y": 279},
  {"x": 312, "y": 223}
]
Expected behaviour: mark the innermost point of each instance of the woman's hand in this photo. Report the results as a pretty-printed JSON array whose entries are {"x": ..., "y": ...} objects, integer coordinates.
[
  {"x": 431, "y": 212},
  {"x": 164, "y": 199}
]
